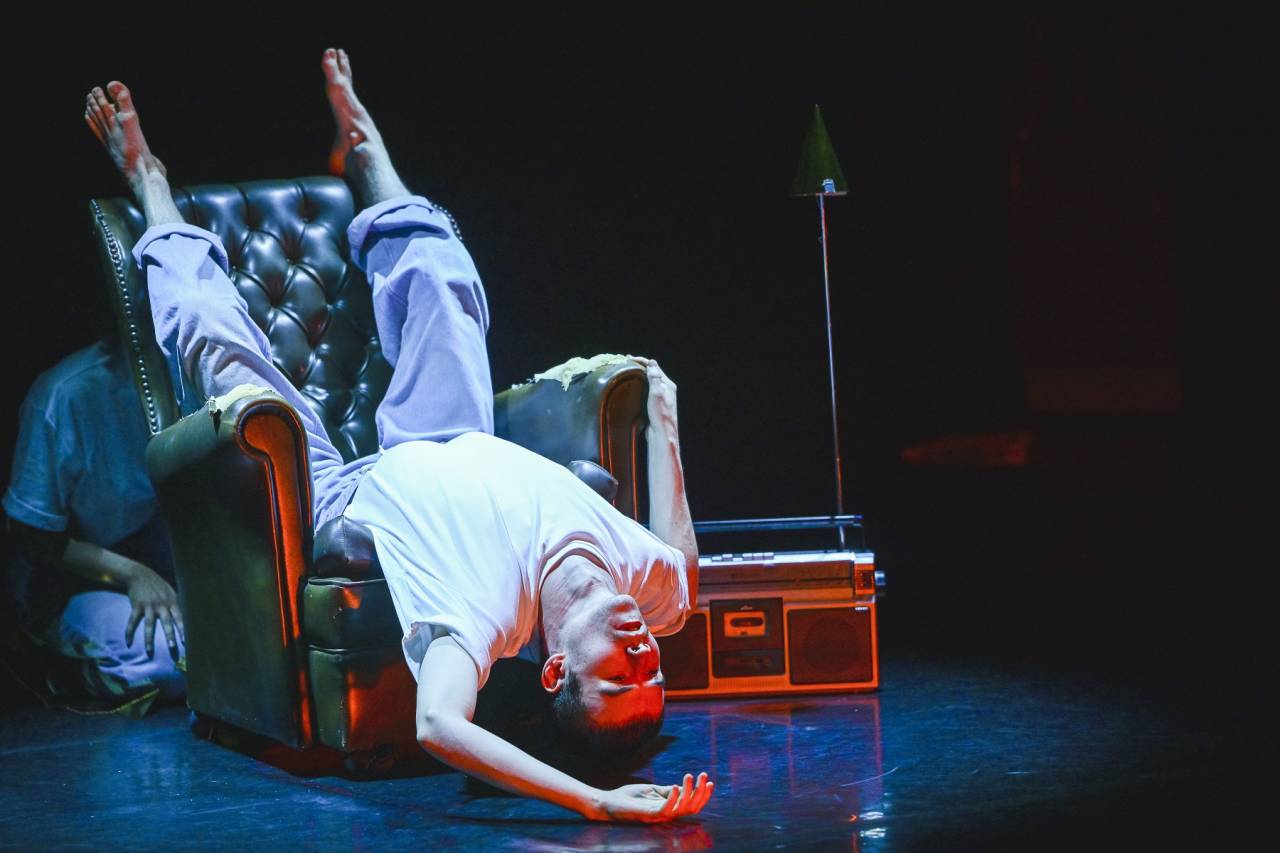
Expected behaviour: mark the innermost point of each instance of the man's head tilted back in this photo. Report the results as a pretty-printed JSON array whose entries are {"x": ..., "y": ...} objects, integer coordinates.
[{"x": 604, "y": 670}]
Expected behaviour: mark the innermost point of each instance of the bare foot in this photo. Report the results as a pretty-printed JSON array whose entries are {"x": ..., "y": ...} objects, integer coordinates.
[
  {"x": 358, "y": 152},
  {"x": 114, "y": 120},
  {"x": 354, "y": 125}
]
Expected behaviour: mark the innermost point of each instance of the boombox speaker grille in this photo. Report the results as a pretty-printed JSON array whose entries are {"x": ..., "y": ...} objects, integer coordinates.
[
  {"x": 828, "y": 645},
  {"x": 684, "y": 655}
]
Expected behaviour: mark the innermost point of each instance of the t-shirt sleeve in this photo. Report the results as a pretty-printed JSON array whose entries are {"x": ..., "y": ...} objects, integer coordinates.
[
  {"x": 46, "y": 469},
  {"x": 664, "y": 597},
  {"x": 468, "y": 635},
  {"x": 422, "y": 634}
]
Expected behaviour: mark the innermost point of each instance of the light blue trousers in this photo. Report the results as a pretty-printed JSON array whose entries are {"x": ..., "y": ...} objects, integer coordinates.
[
  {"x": 430, "y": 309},
  {"x": 92, "y": 627}
]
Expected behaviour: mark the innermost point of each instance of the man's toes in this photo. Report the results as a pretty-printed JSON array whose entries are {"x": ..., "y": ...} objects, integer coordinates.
[
  {"x": 344, "y": 64},
  {"x": 93, "y": 126},
  {"x": 121, "y": 95},
  {"x": 95, "y": 112},
  {"x": 100, "y": 101},
  {"x": 329, "y": 64}
]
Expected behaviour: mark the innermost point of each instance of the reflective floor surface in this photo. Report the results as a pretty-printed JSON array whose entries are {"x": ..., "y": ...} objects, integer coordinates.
[
  {"x": 1073, "y": 659},
  {"x": 947, "y": 756}
]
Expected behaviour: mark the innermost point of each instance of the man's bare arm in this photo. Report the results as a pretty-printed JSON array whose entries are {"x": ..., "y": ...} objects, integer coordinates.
[
  {"x": 669, "y": 516},
  {"x": 447, "y": 683},
  {"x": 152, "y": 598}
]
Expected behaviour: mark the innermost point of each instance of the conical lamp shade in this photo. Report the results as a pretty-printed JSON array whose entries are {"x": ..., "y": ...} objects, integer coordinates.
[{"x": 818, "y": 163}]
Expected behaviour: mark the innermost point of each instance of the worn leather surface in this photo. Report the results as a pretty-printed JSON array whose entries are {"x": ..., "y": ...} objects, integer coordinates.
[
  {"x": 369, "y": 697},
  {"x": 343, "y": 613},
  {"x": 344, "y": 548},
  {"x": 597, "y": 419},
  {"x": 601, "y": 481},
  {"x": 222, "y": 507}
]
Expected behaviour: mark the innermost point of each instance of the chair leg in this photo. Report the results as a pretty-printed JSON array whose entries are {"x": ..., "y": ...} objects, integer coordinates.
[
  {"x": 392, "y": 760},
  {"x": 371, "y": 763}
]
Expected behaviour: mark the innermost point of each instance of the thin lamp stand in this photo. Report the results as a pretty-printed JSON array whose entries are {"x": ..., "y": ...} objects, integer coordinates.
[
  {"x": 829, "y": 187},
  {"x": 819, "y": 174}
]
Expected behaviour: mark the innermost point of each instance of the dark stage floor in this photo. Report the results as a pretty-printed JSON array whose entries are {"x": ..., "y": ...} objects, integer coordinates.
[
  {"x": 948, "y": 755},
  {"x": 1073, "y": 659}
]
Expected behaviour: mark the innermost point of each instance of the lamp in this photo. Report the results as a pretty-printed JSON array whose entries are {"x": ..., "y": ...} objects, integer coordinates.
[{"x": 819, "y": 175}]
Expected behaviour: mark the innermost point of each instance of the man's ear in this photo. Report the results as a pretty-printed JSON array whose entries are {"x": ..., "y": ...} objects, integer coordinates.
[{"x": 553, "y": 674}]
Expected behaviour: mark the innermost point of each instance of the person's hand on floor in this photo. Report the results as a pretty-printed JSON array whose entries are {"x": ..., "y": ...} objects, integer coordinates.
[
  {"x": 153, "y": 600},
  {"x": 657, "y": 803}
]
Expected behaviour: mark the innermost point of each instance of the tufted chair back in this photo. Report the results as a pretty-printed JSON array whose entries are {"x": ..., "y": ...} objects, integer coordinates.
[{"x": 287, "y": 244}]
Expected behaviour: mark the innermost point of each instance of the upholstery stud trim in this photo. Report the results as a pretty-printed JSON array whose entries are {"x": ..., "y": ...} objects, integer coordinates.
[{"x": 130, "y": 313}]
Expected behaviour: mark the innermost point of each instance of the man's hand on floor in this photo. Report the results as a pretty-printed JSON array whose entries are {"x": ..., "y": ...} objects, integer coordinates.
[{"x": 657, "y": 803}]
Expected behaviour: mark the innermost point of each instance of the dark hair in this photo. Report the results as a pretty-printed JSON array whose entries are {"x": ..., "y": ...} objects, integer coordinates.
[{"x": 582, "y": 732}]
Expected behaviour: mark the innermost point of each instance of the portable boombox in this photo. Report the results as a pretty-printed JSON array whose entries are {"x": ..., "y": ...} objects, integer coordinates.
[{"x": 787, "y": 622}]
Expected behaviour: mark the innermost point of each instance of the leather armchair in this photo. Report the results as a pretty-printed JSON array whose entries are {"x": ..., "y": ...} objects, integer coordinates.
[{"x": 290, "y": 631}]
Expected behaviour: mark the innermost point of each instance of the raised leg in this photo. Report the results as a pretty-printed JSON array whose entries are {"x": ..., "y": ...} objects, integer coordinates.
[
  {"x": 202, "y": 324},
  {"x": 432, "y": 318},
  {"x": 428, "y": 301},
  {"x": 113, "y": 119},
  {"x": 212, "y": 345}
]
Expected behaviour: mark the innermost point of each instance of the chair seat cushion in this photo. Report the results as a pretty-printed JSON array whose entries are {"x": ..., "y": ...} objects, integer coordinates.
[
  {"x": 344, "y": 548},
  {"x": 346, "y": 613}
]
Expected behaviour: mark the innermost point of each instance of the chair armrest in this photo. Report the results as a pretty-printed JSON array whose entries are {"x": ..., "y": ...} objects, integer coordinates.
[
  {"x": 235, "y": 490},
  {"x": 598, "y": 418}
]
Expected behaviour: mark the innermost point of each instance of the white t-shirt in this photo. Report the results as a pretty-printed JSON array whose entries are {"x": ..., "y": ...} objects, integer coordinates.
[{"x": 466, "y": 531}]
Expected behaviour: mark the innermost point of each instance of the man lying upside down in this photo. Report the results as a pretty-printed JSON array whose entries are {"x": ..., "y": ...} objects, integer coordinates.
[{"x": 485, "y": 546}]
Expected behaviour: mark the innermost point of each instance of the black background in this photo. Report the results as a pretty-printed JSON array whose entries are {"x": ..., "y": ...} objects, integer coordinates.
[{"x": 1034, "y": 196}]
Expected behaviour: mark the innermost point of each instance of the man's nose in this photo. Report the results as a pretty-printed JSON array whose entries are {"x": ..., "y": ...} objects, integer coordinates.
[{"x": 638, "y": 648}]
